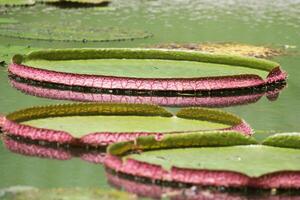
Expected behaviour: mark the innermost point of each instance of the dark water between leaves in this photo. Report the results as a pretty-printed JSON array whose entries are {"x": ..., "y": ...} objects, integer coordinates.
[{"x": 275, "y": 23}]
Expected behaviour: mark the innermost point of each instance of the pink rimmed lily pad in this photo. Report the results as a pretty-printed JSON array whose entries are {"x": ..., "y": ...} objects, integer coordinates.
[
  {"x": 220, "y": 100},
  {"x": 102, "y": 124},
  {"x": 221, "y": 159},
  {"x": 146, "y": 69}
]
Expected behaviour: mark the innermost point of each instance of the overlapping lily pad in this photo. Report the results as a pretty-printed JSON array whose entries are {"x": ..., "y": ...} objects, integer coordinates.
[
  {"x": 22, "y": 193},
  {"x": 222, "y": 159},
  {"x": 74, "y": 31},
  {"x": 217, "y": 99},
  {"x": 146, "y": 70},
  {"x": 102, "y": 124}
]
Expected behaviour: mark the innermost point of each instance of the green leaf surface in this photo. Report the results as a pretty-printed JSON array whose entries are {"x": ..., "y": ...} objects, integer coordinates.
[
  {"x": 289, "y": 140},
  {"x": 72, "y": 31},
  {"x": 145, "y": 68},
  {"x": 63, "y": 194},
  {"x": 81, "y": 125},
  {"x": 252, "y": 160},
  {"x": 187, "y": 140},
  {"x": 84, "y": 118}
]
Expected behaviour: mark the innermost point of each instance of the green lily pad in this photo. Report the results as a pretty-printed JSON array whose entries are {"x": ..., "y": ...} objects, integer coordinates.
[
  {"x": 235, "y": 158},
  {"x": 63, "y": 31},
  {"x": 146, "y": 68},
  {"x": 134, "y": 118},
  {"x": 226, "y": 158},
  {"x": 107, "y": 123},
  {"x": 80, "y": 125},
  {"x": 16, "y": 2},
  {"x": 289, "y": 140},
  {"x": 63, "y": 193}
]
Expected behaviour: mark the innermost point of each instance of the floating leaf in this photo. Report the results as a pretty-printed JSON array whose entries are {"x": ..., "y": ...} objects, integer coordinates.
[
  {"x": 73, "y": 31},
  {"x": 79, "y": 123},
  {"x": 146, "y": 70},
  {"x": 289, "y": 140},
  {"x": 223, "y": 159}
]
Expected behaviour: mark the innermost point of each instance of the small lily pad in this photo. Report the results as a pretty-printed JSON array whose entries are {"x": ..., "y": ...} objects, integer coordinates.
[
  {"x": 63, "y": 193},
  {"x": 74, "y": 31},
  {"x": 223, "y": 159},
  {"x": 146, "y": 70},
  {"x": 101, "y": 124}
]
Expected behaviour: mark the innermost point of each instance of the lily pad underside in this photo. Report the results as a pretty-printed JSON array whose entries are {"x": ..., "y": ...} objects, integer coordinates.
[
  {"x": 146, "y": 69},
  {"x": 72, "y": 31},
  {"x": 205, "y": 100},
  {"x": 225, "y": 159},
  {"x": 101, "y": 124},
  {"x": 16, "y": 2},
  {"x": 24, "y": 193},
  {"x": 227, "y": 48}
]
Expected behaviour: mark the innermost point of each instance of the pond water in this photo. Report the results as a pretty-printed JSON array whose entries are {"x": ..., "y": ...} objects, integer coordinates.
[{"x": 270, "y": 22}]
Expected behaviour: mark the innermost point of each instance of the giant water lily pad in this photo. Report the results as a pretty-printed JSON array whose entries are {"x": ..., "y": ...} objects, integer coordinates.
[
  {"x": 218, "y": 99},
  {"x": 73, "y": 31},
  {"x": 146, "y": 70},
  {"x": 18, "y": 193},
  {"x": 101, "y": 124},
  {"x": 223, "y": 159}
]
